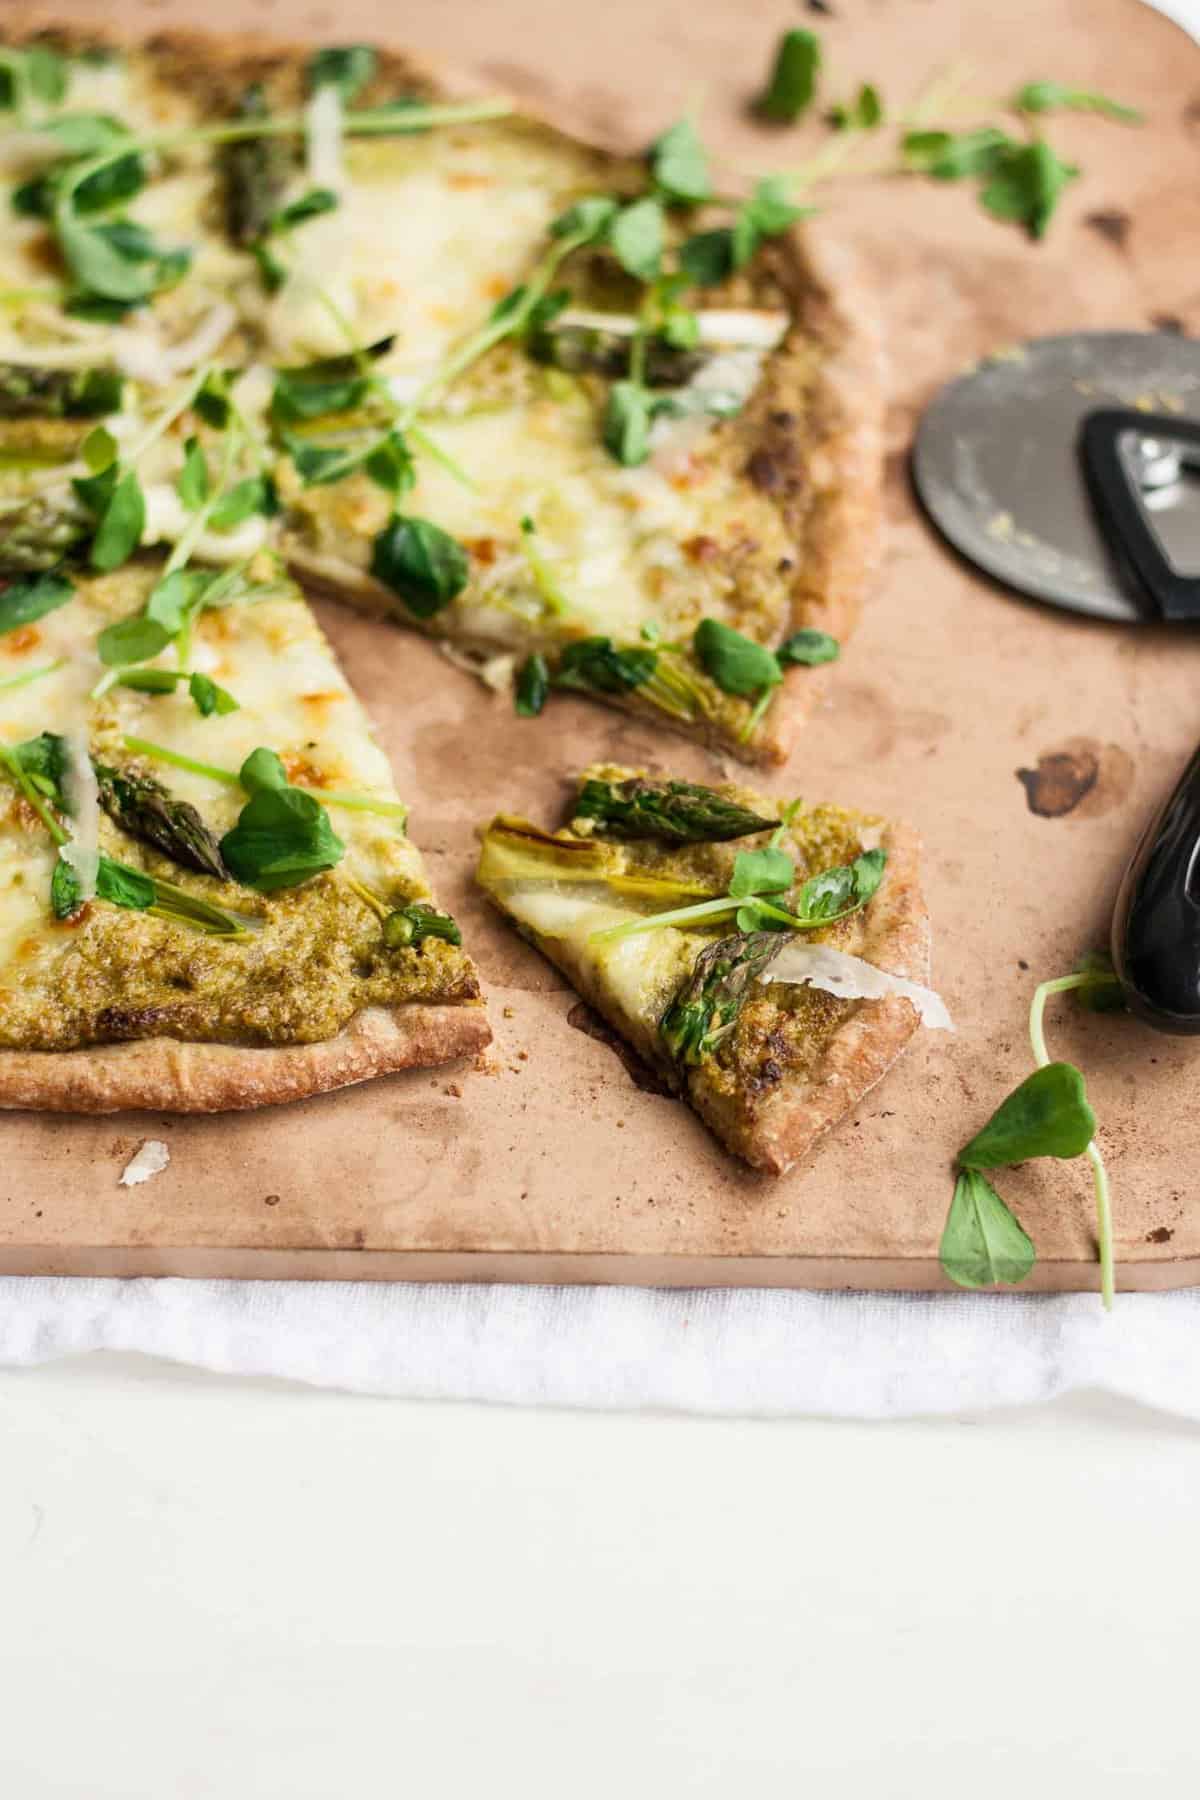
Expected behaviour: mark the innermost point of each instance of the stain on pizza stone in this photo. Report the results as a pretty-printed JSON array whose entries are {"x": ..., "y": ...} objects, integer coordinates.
[
  {"x": 1081, "y": 777},
  {"x": 592, "y": 1025},
  {"x": 1112, "y": 225}
]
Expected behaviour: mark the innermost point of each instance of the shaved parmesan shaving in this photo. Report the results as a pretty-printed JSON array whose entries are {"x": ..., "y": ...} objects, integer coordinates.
[
  {"x": 323, "y": 121},
  {"x": 497, "y": 673},
  {"x": 83, "y": 803},
  {"x": 850, "y": 978},
  {"x": 151, "y": 1159}
]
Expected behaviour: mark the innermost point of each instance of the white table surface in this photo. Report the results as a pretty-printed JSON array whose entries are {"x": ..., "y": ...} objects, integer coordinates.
[
  {"x": 249, "y": 1590},
  {"x": 216, "y": 1587}
]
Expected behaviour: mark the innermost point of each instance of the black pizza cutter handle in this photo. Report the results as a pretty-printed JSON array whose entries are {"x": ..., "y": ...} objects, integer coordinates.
[
  {"x": 1118, "y": 498},
  {"x": 1156, "y": 922}
]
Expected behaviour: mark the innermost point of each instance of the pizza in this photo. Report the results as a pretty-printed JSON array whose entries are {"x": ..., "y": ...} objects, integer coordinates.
[
  {"x": 271, "y": 317},
  {"x": 532, "y": 400},
  {"x": 767, "y": 960},
  {"x": 209, "y": 897}
]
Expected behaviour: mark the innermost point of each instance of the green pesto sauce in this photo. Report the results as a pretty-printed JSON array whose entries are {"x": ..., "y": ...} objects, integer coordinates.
[{"x": 319, "y": 960}]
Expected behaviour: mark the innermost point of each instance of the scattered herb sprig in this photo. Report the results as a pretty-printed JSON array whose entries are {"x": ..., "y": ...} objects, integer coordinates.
[
  {"x": 1019, "y": 175},
  {"x": 1048, "y": 1114}
]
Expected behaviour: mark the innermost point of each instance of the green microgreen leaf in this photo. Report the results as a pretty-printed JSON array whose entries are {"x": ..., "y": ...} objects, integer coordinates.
[
  {"x": 949, "y": 156},
  {"x": 212, "y": 401},
  {"x": 193, "y": 483},
  {"x": 134, "y": 640},
  {"x": 99, "y": 449},
  {"x": 679, "y": 163},
  {"x": 348, "y": 67},
  {"x": 282, "y": 838},
  {"x": 983, "y": 1243},
  {"x": 1053, "y": 96},
  {"x": 636, "y": 237},
  {"x": 863, "y": 113},
  {"x": 838, "y": 891},
  {"x": 808, "y": 648},
  {"x": 254, "y": 494},
  {"x": 420, "y": 562},
  {"x": 532, "y": 687},
  {"x": 1047, "y": 1115},
  {"x": 309, "y": 205},
  {"x": 761, "y": 872},
  {"x": 588, "y": 218},
  {"x": 595, "y": 665},
  {"x": 627, "y": 417},
  {"x": 1026, "y": 186},
  {"x": 707, "y": 257},
  {"x": 302, "y": 394},
  {"x": 1101, "y": 991},
  {"x": 390, "y": 465},
  {"x": 262, "y": 769},
  {"x": 736, "y": 663},
  {"x": 31, "y": 597},
  {"x": 793, "y": 80},
  {"x": 121, "y": 523},
  {"x": 208, "y": 697},
  {"x": 767, "y": 213},
  {"x": 173, "y": 599}
]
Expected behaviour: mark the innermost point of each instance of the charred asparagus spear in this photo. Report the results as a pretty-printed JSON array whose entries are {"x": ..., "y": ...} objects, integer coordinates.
[
  {"x": 254, "y": 174},
  {"x": 37, "y": 535},
  {"x": 707, "y": 1005},
  {"x": 586, "y": 350},
  {"x": 146, "y": 810},
  {"x": 29, "y": 392},
  {"x": 409, "y": 926},
  {"x": 675, "y": 812}
]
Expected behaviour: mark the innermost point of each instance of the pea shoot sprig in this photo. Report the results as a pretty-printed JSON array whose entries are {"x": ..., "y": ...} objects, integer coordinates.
[
  {"x": 1048, "y": 1114},
  {"x": 1020, "y": 178},
  {"x": 758, "y": 881}
]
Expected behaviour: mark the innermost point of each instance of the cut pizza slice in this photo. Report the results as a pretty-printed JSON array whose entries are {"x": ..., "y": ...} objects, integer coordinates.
[
  {"x": 208, "y": 898},
  {"x": 766, "y": 960},
  {"x": 563, "y": 412}
]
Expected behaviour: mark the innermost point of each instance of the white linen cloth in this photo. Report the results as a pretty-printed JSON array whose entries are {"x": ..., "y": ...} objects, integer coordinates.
[
  {"x": 752, "y": 1351},
  {"x": 747, "y": 1351}
]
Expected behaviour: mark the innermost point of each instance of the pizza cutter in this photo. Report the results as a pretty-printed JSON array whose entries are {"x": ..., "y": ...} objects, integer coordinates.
[{"x": 1069, "y": 468}]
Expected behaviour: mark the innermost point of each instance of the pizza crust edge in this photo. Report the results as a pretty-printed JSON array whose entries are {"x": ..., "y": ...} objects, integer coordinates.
[{"x": 184, "y": 1076}]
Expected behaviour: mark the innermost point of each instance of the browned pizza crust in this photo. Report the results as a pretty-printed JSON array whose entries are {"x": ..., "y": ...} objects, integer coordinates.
[
  {"x": 164, "y": 1075},
  {"x": 775, "y": 1126}
]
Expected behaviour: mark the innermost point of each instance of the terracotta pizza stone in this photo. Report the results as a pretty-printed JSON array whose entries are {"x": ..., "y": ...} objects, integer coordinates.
[{"x": 547, "y": 1161}]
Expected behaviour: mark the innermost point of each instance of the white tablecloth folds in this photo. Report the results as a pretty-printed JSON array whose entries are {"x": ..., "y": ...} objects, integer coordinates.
[{"x": 718, "y": 1351}]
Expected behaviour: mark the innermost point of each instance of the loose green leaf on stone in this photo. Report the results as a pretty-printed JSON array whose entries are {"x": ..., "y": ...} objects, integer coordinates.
[
  {"x": 983, "y": 1243},
  {"x": 1047, "y": 1115}
]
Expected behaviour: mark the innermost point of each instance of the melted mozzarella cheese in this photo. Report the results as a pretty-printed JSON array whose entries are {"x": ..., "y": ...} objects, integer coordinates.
[{"x": 638, "y": 973}]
